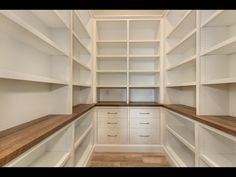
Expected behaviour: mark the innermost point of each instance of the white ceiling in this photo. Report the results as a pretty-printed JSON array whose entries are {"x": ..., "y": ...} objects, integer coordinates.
[{"x": 106, "y": 13}]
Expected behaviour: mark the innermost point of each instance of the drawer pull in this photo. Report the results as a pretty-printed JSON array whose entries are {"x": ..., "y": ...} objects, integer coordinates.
[
  {"x": 112, "y": 123},
  {"x": 144, "y": 136},
  {"x": 111, "y": 112},
  {"x": 144, "y": 113},
  {"x": 112, "y": 135},
  {"x": 146, "y": 123}
]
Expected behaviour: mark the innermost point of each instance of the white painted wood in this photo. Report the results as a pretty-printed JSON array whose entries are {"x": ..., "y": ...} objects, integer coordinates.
[
  {"x": 217, "y": 148},
  {"x": 184, "y": 156},
  {"x": 144, "y": 136},
  {"x": 181, "y": 126},
  {"x": 52, "y": 152}
]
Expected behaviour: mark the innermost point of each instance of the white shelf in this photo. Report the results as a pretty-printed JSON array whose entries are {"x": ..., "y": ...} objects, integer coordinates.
[
  {"x": 182, "y": 84},
  {"x": 187, "y": 140},
  {"x": 144, "y": 71},
  {"x": 51, "y": 18},
  {"x": 184, "y": 44},
  {"x": 208, "y": 161},
  {"x": 111, "y": 41},
  {"x": 63, "y": 15},
  {"x": 84, "y": 32},
  {"x": 111, "y": 71},
  {"x": 177, "y": 26},
  {"x": 144, "y": 56},
  {"x": 220, "y": 81},
  {"x": 83, "y": 136},
  {"x": 144, "y": 41},
  {"x": 224, "y": 48},
  {"x": 81, "y": 64},
  {"x": 51, "y": 159},
  {"x": 186, "y": 61},
  {"x": 221, "y": 18},
  {"x": 21, "y": 31},
  {"x": 6, "y": 74},
  {"x": 111, "y": 86},
  {"x": 112, "y": 56},
  {"x": 84, "y": 156},
  {"x": 181, "y": 153},
  {"x": 144, "y": 86},
  {"x": 224, "y": 160},
  {"x": 81, "y": 43},
  {"x": 82, "y": 85}
]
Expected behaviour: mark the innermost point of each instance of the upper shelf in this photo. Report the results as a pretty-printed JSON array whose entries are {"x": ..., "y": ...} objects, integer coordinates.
[
  {"x": 224, "y": 48},
  {"x": 6, "y": 74},
  {"x": 183, "y": 24},
  {"x": 221, "y": 18},
  {"x": 188, "y": 41},
  {"x": 144, "y": 30},
  {"x": 79, "y": 26},
  {"x": 20, "y": 30},
  {"x": 112, "y": 30}
]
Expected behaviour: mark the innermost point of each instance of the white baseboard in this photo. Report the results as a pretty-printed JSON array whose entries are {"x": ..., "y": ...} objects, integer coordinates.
[
  {"x": 128, "y": 148},
  {"x": 169, "y": 157}
]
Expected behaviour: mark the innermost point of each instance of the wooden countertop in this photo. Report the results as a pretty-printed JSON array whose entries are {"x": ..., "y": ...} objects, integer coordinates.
[
  {"x": 129, "y": 104},
  {"x": 224, "y": 123},
  {"x": 17, "y": 140}
]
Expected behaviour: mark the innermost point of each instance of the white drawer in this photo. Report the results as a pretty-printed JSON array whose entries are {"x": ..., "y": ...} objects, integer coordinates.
[
  {"x": 117, "y": 123},
  {"x": 144, "y": 113},
  {"x": 112, "y": 112},
  {"x": 112, "y": 136},
  {"x": 144, "y": 123},
  {"x": 144, "y": 136}
]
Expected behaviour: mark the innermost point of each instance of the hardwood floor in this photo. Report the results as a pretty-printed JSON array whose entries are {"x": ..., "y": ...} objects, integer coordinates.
[{"x": 118, "y": 159}]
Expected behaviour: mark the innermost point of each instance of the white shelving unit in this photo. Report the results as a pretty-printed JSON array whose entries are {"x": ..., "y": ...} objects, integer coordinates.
[
  {"x": 128, "y": 59},
  {"x": 217, "y": 63},
  {"x": 180, "y": 57},
  {"x": 34, "y": 65},
  {"x": 82, "y": 73}
]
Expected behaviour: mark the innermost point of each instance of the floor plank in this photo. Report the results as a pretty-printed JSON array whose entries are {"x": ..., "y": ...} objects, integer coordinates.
[{"x": 120, "y": 159}]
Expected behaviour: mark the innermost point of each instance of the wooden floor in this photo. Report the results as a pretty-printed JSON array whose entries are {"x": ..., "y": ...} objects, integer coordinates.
[{"x": 118, "y": 159}]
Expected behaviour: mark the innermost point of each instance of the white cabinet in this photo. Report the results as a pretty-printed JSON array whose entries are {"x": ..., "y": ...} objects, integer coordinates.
[
  {"x": 128, "y": 125},
  {"x": 112, "y": 125},
  {"x": 144, "y": 126}
]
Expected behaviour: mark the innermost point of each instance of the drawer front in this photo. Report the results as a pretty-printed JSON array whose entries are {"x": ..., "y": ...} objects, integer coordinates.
[
  {"x": 144, "y": 136},
  {"x": 112, "y": 112},
  {"x": 112, "y": 136},
  {"x": 117, "y": 123},
  {"x": 144, "y": 123},
  {"x": 144, "y": 113}
]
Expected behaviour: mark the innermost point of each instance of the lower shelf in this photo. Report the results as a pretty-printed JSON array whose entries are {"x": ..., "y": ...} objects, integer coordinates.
[
  {"x": 183, "y": 155},
  {"x": 51, "y": 159}
]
